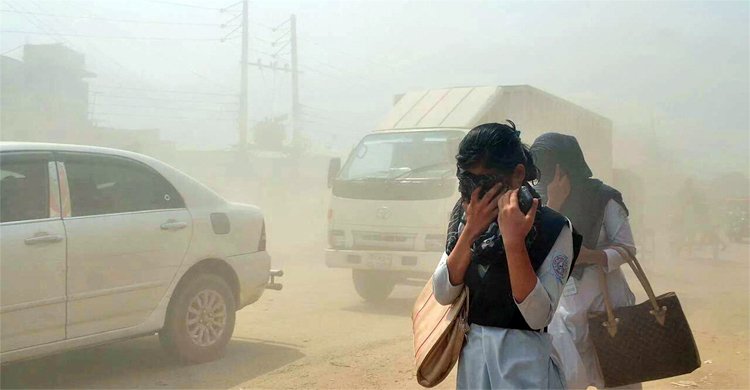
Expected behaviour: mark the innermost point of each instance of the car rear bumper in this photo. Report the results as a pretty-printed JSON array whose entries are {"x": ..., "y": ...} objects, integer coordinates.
[
  {"x": 397, "y": 261},
  {"x": 252, "y": 272}
]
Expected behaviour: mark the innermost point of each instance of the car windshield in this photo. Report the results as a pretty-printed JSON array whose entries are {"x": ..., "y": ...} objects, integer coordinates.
[{"x": 419, "y": 154}]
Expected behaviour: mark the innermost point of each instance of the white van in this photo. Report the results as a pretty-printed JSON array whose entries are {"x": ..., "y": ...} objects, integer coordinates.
[
  {"x": 389, "y": 209},
  {"x": 392, "y": 197}
]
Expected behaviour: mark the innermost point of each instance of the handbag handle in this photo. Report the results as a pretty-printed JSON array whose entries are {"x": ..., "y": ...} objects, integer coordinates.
[
  {"x": 611, "y": 323},
  {"x": 659, "y": 313}
]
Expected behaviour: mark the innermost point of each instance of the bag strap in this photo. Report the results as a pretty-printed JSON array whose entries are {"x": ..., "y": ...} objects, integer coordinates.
[
  {"x": 659, "y": 313},
  {"x": 463, "y": 316},
  {"x": 611, "y": 323}
]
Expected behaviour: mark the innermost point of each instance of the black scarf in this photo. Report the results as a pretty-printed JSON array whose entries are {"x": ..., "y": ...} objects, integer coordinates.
[{"x": 488, "y": 278}]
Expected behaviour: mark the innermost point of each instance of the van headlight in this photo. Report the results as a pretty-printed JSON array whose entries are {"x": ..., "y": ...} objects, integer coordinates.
[
  {"x": 336, "y": 239},
  {"x": 434, "y": 242}
]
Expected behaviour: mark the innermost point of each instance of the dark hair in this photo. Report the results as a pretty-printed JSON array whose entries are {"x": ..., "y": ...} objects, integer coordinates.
[{"x": 495, "y": 146}]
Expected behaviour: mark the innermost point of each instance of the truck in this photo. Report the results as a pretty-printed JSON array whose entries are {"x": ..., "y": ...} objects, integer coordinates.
[{"x": 392, "y": 196}]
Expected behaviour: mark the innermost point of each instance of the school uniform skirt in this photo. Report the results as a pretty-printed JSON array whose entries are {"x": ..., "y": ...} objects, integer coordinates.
[{"x": 499, "y": 358}]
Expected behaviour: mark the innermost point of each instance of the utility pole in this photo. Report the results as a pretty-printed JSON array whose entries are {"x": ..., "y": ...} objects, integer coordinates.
[
  {"x": 295, "y": 81},
  {"x": 243, "y": 80}
]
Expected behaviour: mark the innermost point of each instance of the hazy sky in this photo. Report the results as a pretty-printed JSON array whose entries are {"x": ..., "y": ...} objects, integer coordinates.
[{"x": 682, "y": 66}]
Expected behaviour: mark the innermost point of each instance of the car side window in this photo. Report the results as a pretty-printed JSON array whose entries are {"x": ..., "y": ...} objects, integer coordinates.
[
  {"x": 24, "y": 187},
  {"x": 107, "y": 185}
]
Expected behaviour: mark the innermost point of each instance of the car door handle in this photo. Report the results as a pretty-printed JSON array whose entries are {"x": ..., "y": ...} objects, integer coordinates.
[
  {"x": 173, "y": 225},
  {"x": 43, "y": 238}
]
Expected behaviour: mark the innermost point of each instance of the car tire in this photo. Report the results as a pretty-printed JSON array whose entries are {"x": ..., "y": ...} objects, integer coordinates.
[
  {"x": 373, "y": 286},
  {"x": 200, "y": 320}
]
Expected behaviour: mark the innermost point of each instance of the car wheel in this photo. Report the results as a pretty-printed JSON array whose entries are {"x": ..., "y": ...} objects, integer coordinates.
[
  {"x": 200, "y": 320},
  {"x": 373, "y": 286}
]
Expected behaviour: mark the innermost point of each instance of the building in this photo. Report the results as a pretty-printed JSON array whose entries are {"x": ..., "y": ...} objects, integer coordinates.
[{"x": 45, "y": 96}]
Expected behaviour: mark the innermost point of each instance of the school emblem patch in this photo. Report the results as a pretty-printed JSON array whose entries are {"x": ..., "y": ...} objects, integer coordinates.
[{"x": 559, "y": 265}]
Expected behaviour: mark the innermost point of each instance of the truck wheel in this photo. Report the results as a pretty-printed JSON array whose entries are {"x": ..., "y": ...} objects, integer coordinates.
[
  {"x": 200, "y": 320},
  {"x": 373, "y": 286}
]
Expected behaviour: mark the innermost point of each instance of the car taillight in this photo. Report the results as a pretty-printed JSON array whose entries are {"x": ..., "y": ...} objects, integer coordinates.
[
  {"x": 336, "y": 239},
  {"x": 262, "y": 242}
]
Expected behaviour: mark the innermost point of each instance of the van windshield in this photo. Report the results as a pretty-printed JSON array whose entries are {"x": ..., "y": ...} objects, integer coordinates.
[{"x": 422, "y": 154}]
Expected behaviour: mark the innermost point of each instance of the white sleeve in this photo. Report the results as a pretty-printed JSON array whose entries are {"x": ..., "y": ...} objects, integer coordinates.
[
  {"x": 618, "y": 231},
  {"x": 445, "y": 292},
  {"x": 540, "y": 305}
]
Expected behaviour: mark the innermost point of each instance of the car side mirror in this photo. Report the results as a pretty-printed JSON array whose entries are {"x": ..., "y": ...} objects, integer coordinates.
[{"x": 334, "y": 166}]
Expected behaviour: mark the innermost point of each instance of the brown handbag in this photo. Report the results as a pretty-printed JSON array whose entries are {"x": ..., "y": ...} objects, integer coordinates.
[
  {"x": 439, "y": 332},
  {"x": 640, "y": 343}
]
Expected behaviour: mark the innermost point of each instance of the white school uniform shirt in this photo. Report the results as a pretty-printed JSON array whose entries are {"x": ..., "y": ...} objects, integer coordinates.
[
  {"x": 501, "y": 358},
  {"x": 569, "y": 327}
]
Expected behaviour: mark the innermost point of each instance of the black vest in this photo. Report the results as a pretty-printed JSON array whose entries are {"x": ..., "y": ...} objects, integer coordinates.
[{"x": 491, "y": 298}]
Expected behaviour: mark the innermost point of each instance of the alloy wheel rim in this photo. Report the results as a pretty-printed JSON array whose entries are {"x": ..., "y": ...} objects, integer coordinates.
[{"x": 206, "y": 318}]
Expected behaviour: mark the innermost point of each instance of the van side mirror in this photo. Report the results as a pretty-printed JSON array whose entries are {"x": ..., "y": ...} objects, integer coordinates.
[{"x": 334, "y": 166}]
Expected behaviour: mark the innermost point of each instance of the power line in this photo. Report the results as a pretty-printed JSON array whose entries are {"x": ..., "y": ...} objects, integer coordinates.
[
  {"x": 152, "y": 107},
  {"x": 349, "y": 77},
  {"x": 166, "y": 90},
  {"x": 13, "y": 49},
  {"x": 38, "y": 24},
  {"x": 226, "y": 23},
  {"x": 112, "y": 37},
  {"x": 227, "y": 8},
  {"x": 101, "y": 95},
  {"x": 89, "y": 44},
  {"x": 271, "y": 66},
  {"x": 327, "y": 119},
  {"x": 329, "y": 75},
  {"x": 188, "y": 5},
  {"x": 348, "y": 54},
  {"x": 256, "y": 23},
  {"x": 128, "y": 114},
  {"x": 281, "y": 24},
  {"x": 227, "y": 36},
  {"x": 111, "y": 19},
  {"x": 262, "y": 40}
]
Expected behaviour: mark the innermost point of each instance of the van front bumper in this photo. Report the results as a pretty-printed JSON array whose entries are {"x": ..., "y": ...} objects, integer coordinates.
[{"x": 397, "y": 261}]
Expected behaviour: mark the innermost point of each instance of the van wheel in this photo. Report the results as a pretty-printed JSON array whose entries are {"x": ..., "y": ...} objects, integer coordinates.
[
  {"x": 373, "y": 286},
  {"x": 200, "y": 320}
]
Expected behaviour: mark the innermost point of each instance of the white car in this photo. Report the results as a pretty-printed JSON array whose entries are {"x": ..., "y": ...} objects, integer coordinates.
[{"x": 99, "y": 245}]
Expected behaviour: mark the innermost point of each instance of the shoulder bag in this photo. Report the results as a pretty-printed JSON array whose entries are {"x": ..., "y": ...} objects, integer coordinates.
[
  {"x": 439, "y": 332},
  {"x": 648, "y": 341}
]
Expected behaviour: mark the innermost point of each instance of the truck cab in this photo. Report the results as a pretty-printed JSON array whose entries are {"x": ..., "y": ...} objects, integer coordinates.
[{"x": 390, "y": 205}]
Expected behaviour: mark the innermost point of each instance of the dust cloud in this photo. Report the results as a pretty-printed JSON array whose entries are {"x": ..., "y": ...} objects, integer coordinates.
[{"x": 657, "y": 93}]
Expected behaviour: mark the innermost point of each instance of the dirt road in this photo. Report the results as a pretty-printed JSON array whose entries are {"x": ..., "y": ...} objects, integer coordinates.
[{"x": 317, "y": 333}]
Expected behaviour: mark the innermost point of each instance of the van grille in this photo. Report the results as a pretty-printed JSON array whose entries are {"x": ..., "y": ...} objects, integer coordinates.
[{"x": 381, "y": 241}]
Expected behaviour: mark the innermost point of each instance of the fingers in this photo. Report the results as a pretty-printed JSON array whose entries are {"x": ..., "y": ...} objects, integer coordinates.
[
  {"x": 557, "y": 173},
  {"x": 475, "y": 196},
  {"x": 514, "y": 197},
  {"x": 489, "y": 197},
  {"x": 532, "y": 211}
]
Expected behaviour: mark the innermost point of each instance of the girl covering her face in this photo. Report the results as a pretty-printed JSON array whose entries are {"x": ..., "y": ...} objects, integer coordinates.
[
  {"x": 599, "y": 214},
  {"x": 514, "y": 265}
]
